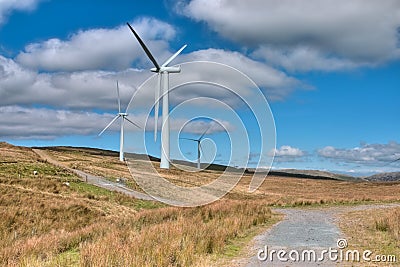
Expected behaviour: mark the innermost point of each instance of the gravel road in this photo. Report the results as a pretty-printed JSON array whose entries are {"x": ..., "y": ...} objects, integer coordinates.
[
  {"x": 95, "y": 180},
  {"x": 302, "y": 229}
]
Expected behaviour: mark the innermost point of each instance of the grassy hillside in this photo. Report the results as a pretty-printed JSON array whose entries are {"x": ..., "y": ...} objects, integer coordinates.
[
  {"x": 46, "y": 222},
  {"x": 53, "y": 218},
  {"x": 276, "y": 190},
  {"x": 384, "y": 177}
]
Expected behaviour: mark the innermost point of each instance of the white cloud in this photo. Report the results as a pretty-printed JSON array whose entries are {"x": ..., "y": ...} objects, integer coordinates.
[
  {"x": 95, "y": 89},
  {"x": 40, "y": 123},
  {"x": 364, "y": 154},
  {"x": 303, "y": 58},
  {"x": 200, "y": 126},
  {"x": 289, "y": 151},
  {"x": 288, "y": 154},
  {"x": 64, "y": 77},
  {"x": 7, "y": 6},
  {"x": 107, "y": 49},
  {"x": 356, "y": 32},
  {"x": 276, "y": 84},
  {"x": 77, "y": 90},
  {"x": 43, "y": 123}
]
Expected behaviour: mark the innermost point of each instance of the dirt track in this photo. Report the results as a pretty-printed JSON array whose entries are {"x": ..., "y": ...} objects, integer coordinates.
[
  {"x": 303, "y": 229},
  {"x": 95, "y": 180}
]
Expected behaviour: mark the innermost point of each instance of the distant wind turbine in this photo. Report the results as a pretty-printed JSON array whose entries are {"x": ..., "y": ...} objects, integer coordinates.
[
  {"x": 163, "y": 87},
  {"x": 123, "y": 117},
  {"x": 199, "y": 148}
]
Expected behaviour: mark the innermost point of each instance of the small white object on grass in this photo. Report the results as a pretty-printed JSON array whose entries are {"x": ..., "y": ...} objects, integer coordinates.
[{"x": 35, "y": 172}]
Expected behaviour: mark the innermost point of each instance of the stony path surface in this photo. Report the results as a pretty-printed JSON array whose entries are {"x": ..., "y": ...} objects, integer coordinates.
[
  {"x": 302, "y": 229},
  {"x": 95, "y": 180}
]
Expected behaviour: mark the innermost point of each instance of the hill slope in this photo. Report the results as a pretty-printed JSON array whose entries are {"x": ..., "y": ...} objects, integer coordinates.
[
  {"x": 49, "y": 217},
  {"x": 384, "y": 177}
]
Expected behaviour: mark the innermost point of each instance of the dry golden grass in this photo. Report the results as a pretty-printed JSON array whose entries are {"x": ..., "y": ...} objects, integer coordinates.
[
  {"x": 174, "y": 236},
  {"x": 95, "y": 162},
  {"x": 390, "y": 223},
  {"x": 292, "y": 191},
  {"x": 373, "y": 229},
  {"x": 282, "y": 191},
  {"x": 45, "y": 223}
]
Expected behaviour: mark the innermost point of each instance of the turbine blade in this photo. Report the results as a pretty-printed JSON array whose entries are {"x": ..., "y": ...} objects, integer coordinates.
[
  {"x": 113, "y": 120},
  {"x": 189, "y": 139},
  {"x": 146, "y": 50},
  {"x": 119, "y": 100},
  {"x": 132, "y": 122},
  {"x": 173, "y": 56},
  {"x": 201, "y": 136},
  {"x": 157, "y": 106}
]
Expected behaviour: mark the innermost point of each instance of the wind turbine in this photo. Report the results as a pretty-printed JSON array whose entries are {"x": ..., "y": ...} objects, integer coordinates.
[
  {"x": 163, "y": 72},
  {"x": 199, "y": 149},
  {"x": 123, "y": 117}
]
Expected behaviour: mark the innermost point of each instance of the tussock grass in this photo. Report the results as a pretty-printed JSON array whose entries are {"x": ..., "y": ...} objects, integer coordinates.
[
  {"x": 45, "y": 223},
  {"x": 173, "y": 236},
  {"x": 390, "y": 223},
  {"x": 275, "y": 191},
  {"x": 376, "y": 230},
  {"x": 37, "y": 234}
]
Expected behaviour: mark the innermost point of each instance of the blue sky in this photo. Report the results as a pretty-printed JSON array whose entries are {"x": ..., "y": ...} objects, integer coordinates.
[{"x": 329, "y": 69}]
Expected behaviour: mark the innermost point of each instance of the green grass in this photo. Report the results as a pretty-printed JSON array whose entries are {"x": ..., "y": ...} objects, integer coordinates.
[
  {"x": 236, "y": 247},
  {"x": 98, "y": 193},
  {"x": 90, "y": 190},
  {"x": 327, "y": 204},
  {"x": 67, "y": 258},
  {"x": 25, "y": 170}
]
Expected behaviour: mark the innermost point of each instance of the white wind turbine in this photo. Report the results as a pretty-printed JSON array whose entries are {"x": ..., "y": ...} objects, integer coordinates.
[
  {"x": 163, "y": 87},
  {"x": 123, "y": 117},
  {"x": 199, "y": 149}
]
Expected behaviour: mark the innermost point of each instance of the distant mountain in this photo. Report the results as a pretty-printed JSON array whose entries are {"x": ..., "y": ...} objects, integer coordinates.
[
  {"x": 294, "y": 173},
  {"x": 310, "y": 174},
  {"x": 384, "y": 177},
  {"x": 98, "y": 151}
]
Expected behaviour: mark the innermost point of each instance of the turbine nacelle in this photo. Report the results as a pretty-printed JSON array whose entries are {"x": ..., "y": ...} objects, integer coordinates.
[{"x": 167, "y": 69}]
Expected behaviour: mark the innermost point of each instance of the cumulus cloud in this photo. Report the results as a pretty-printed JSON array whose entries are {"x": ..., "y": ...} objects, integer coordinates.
[
  {"x": 365, "y": 153},
  {"x": 41, "y": 123},
  {"x": 289, "y": 151},
  {"x": 107, "y": 49},
  {"x": 303, "y": 58},
  {"x": 95, "y": 89},
  {"x": 356, "y": 32},
  {"x": 276, "y": 84},
  {"x": 7, "y": 6},
  {"x": 201, "y": 126},
  {"x": 288, "y": 154},
  {"x": 76, "y": 90},
  {"x": 81, "y": 73}
]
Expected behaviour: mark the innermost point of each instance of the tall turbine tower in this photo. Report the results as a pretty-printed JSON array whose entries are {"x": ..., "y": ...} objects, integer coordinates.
[
  {"x": 199, "y": 149},
  {"x": 123, "y": 117},
  {"x": 163, "y": 87}
]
